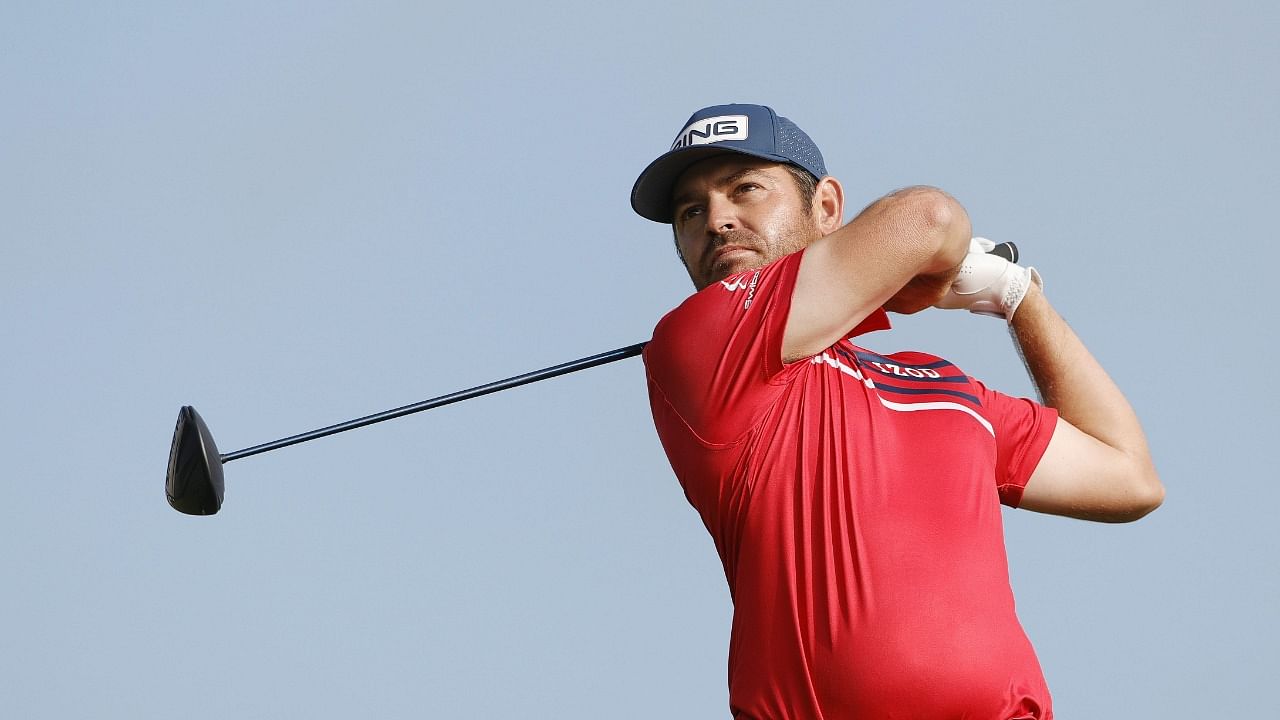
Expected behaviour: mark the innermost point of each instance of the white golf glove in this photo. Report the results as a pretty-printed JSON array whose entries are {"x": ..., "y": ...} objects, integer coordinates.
[{"x": 988, "y": 284}]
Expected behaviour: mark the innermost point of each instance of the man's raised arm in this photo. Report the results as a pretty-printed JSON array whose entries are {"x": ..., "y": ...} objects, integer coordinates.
[
  {"x": 901, "y": 252},
  {"x": 1097, "y": 465}
]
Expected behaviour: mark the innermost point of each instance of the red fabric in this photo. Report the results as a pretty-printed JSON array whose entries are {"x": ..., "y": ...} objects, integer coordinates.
[{"x": 858, "y": 522}]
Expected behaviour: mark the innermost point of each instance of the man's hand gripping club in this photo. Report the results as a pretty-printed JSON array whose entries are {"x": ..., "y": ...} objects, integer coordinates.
[{"x": 990, "y": 282}]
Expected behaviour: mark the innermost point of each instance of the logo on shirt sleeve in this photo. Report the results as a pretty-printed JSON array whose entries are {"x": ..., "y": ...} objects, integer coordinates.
[{"x": 740, "y": 282}]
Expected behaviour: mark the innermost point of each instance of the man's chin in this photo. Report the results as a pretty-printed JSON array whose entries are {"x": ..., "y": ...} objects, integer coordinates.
[{"x": 737, "y": 262}]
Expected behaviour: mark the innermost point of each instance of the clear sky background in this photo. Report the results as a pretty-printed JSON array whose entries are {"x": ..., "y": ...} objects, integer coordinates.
[{"x": 292, "y": 214}]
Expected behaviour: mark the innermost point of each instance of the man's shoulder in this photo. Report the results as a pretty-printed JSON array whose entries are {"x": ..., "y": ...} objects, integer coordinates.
[
  {"x": 725, "y": 301},
  {"x": 909, "y": 364},
  {"x": 907, "y": 357}
]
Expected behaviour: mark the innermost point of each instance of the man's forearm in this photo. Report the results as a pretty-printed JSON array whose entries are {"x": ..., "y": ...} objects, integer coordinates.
[
  {"x": 952, "y": 230},
  {"x": 1070, "y": 380}
]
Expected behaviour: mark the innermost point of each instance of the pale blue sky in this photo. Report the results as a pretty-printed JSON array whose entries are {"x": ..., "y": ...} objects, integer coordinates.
[{"x": 291, "y": 214}]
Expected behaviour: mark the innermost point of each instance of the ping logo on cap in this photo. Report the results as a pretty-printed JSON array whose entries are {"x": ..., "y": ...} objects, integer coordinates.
[{"x": 712, "y": 130}]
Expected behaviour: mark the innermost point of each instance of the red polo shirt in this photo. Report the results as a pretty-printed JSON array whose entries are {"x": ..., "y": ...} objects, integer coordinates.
[{"x": 854, "y": 499}]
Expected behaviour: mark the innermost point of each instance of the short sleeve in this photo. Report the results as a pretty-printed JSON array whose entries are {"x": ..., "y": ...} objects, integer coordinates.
[
  {"x": 1022, "y": 429},
  {"x": 715, "y": 359}
]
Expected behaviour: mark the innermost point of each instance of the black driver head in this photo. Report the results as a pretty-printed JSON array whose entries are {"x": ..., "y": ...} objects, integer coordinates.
[{"x": 193, "y": 484}]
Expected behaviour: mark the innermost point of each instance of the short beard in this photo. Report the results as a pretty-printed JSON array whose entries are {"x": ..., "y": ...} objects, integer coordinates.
[{"x": 745, "y": 238}]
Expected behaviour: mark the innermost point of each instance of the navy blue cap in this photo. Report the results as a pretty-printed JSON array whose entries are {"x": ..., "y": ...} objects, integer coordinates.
[{"x": 753, "y": 130}]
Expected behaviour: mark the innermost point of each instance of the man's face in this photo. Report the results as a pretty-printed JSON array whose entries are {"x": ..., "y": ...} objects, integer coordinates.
[{"x": 735, "y": 213}]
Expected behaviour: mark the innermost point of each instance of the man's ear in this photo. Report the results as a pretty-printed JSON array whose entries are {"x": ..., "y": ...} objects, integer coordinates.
[{"x": 828, "y": 205}]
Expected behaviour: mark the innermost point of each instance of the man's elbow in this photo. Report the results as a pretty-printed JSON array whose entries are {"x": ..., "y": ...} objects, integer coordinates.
[
  {"x": 945, "y": 224},
  {"x": 1146, "y": 493}
]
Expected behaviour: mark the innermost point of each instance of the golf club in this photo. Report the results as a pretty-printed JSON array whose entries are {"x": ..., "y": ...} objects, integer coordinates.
[{"x": 194, "y": 483}]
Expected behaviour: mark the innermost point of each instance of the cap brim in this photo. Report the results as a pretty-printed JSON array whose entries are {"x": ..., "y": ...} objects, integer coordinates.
[{"x": 651, "y": 195}]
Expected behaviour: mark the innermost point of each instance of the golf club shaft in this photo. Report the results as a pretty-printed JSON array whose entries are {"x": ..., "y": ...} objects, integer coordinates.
[{"x": 518, "y": 380}]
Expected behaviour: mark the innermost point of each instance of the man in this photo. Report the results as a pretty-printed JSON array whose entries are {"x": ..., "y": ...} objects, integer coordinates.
[{"x": 854, "y": 497}]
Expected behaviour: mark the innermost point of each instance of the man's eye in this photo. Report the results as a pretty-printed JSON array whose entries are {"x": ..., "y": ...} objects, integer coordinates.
[
  {"x": 747, "y": 187},
  {"x": 690, "y": 212}
]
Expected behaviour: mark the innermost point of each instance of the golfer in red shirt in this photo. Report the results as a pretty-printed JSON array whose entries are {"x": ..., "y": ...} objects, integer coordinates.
[{"x": 854, "y": 497}]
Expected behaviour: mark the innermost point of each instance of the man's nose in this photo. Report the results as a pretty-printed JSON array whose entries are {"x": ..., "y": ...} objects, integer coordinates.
[{"x": 721, "y": 216}]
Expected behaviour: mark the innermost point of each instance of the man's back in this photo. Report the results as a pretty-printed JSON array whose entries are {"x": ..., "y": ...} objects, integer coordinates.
[{"x": 854, "y": 501}]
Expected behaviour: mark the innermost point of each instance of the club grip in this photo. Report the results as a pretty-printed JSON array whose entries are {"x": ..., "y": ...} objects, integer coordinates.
[{"x": 1006, "y": 250}]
